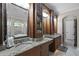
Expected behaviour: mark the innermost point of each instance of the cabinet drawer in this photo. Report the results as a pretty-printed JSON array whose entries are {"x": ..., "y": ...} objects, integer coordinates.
[{"x": 56, "y": 43}]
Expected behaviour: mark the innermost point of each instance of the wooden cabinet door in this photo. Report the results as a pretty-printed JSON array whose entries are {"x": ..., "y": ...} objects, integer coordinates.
[
  {"x": 52, "y": 46},
  {"x": 55, "y": 44},
  {"x": 45, "y": 49},
  {"x": 59, "y": 41},
  {"x": 32, "y": 52}
]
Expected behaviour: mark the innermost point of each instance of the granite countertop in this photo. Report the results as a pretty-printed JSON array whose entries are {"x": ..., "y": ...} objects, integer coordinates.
[
  {"x": 27, "y": 45},
  {"x": 52, "y": 36},
  {"x": 23, "y": 47}
]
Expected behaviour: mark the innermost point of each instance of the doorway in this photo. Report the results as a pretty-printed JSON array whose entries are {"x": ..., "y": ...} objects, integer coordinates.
[{"x": 70, "y": 31}]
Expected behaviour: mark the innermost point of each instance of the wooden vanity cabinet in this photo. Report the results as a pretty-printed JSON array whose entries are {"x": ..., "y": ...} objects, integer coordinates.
[
  {"x": 55, "y": 44},
  {"x": 32, "y": 52},
  {"x": 45, "y": 49},
  {"x": 41, "y": 50}
]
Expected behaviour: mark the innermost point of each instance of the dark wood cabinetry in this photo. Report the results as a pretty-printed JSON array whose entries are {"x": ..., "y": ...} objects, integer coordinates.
[
  {"x": 48, "y": 21},
  {"x": 41, "y": 50},
  {"x": 32, "y": 52},
  {"x": 38, "y": 24},
  {"x": 52, "y": 22},
  {"x": 0, "y": 23},
  {"x": 35, "y": 20},
  {"x": 55, "y": 44},
  {"x": 45, "y": 49},
  {"x": 3, "y": 23}
]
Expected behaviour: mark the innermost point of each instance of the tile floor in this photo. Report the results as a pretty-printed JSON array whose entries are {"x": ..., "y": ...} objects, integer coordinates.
[{"x": 71, "y": 51}]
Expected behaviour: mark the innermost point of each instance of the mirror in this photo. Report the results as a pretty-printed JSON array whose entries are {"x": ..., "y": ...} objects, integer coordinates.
[
  {"x": 17, "y": 19},
  {"x": 46, "y": 20}
]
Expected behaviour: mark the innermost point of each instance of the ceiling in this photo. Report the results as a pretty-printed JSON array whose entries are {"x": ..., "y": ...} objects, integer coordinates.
[{"x": 62, "y": 7}]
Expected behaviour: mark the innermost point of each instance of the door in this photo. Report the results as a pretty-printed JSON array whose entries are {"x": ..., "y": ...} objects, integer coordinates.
[{"x": 69, "y": 31}]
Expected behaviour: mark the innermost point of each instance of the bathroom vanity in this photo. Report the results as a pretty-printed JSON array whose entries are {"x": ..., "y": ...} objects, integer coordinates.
[
  {"x": 55, "y": 43},
  {"x": 40, "y": 50},
  {"x": 34, "y": 48},
  {"x": 43, "y": 49},
  {"x": 29, "y": 48}
]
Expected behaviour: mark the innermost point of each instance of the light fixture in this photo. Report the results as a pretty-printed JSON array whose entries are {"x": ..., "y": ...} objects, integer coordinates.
[
  {"x": 54, "y": 19},
  {"x": 45, "y": 14}
]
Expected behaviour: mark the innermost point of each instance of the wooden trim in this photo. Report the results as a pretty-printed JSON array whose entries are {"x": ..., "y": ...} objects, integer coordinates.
[
  {"x": 57, "y": 24},
  {"x": 31, "y": 20},
  {"x": 63, "y": 30},
  {"x": 4, "y": 21},
  {"x": 1, "y": 24},
  {"x": 34, "y": 20},
  {"x": 50, "y": 21},
  {"x": 46, "y": 7},
  {"x": 28, "y": 24},
  {"x": 28, "y": 16}
]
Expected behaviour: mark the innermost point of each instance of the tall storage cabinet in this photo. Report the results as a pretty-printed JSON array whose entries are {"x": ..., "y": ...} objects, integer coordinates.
[{"x": 35, "y": 20}]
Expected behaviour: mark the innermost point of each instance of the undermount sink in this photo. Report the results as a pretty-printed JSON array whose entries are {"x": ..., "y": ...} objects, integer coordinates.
[
  {"x": 23, "y": 46},
  {"x": 23, "y": 43}
]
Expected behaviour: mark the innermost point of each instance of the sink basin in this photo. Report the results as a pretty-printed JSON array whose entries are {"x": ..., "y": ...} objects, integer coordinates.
[{"x": 22, "y": 47}]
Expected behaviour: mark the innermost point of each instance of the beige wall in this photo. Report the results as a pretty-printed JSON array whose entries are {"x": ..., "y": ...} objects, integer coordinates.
[{"x": 69, "y": 13}]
